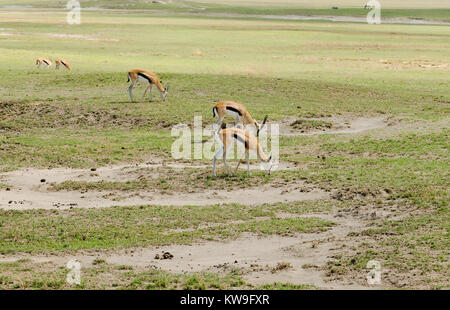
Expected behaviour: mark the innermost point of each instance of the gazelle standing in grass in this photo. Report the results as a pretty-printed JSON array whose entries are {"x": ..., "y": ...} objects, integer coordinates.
[
  {"x": 65, "y": 63},
  {"x": 226, "y": 137},
  {"x": 150, "y": 78},
  {"x": 43, "y": 62},
  {"x": 236, "y": 110}
]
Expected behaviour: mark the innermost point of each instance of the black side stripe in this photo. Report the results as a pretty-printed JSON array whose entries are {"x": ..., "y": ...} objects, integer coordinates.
[
  {"x": 45, "y": 61},
  {"x": 241, "y": 140},
  {"x": 234, "y": 110},
  {"x": 145, "y": 77},
  {"x": 63, "y": 63},
  {"x": 214, "y": 111}
]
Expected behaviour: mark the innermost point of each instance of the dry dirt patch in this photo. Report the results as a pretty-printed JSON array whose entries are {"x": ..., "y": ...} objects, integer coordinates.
[
  {"x": 293, "y": 126},
  {"x": 32, "y": 189},
  {"x": 303, "y": 257}
]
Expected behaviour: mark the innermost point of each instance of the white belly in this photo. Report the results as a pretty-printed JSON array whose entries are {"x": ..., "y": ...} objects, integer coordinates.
[
  {"x": 142, "y": 79},
  {"x": 233, "y": 114}
]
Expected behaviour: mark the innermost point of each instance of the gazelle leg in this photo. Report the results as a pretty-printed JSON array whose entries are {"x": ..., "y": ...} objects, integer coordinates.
[
  {"x": 145, "y": 92},
  {"x": 237, "y": 166},
  {"x": 218, "y": 124},
  {"x": 225, "y": 161},
  {"x": 151, "y": 92},
  {"x": 130, "y": 91},
  {"x": 215, "y": 160}
]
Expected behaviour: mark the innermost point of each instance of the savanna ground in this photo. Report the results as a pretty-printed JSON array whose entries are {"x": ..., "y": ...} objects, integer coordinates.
[{"x": 87, "y": 175}]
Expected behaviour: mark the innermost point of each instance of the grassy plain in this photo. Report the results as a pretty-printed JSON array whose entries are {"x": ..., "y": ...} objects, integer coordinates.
[
  {"x": 430, "y": 10},
  {"x": 305, "y": 70}
]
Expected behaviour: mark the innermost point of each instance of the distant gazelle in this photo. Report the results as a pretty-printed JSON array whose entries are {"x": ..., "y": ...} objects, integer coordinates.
[
  {"x": 250, "y": 142},
  {"x": 236, "y": 110},
  {"x": 150, "y": 78},
  {"x": 65, "y": 63},
  {"x": 43, "y": 62}
]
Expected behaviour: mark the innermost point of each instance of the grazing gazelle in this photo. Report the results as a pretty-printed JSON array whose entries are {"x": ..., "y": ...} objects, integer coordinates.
[
  {"x": 44, "y": 62},
  {"x": 250, "y": 142},
  {"x": 238, "y": 111},
  {"x": 65, "y": 63},
  {"x": 139, "y": 75}
]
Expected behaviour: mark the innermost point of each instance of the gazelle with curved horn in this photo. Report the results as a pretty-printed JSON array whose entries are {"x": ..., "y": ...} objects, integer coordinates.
[
  {"x": 43, "y": 62},
  {"x": 236, "y": 110},
  {"x": 226, "y": 137},
  {"x": 150, "y": 78},
  {"x": 65, "y": 63}
]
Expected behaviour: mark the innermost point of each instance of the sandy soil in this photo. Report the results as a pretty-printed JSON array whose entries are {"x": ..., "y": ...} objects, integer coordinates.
[
  {"x": 255, "y": 257},
  {"x": 341, "y": 125},
  {"x": 28, "y": 192}
]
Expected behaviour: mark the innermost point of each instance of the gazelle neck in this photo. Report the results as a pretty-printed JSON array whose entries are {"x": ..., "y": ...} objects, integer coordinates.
[{"x": 261, "y": 155}]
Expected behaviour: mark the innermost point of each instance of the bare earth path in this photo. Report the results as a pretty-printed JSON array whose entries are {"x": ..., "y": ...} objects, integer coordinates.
[
  {"x": 255, "y": 257},
  {"x": 28, "y": 192}
]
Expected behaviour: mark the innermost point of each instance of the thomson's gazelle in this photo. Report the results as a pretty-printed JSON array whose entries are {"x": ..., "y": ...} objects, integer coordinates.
[
  {"x": 150, "y": 79},
  {"x": 250, "y": 142},
  {"x": 44, "y": 62},
  {"x": 65, "y": 63},
  {"x": 236, "y": 110}
]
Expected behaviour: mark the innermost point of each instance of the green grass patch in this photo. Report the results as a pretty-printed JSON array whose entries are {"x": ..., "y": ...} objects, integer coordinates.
[
  {"x": 431, "y": 146},
  {"x": 415, "y": 249},
  {"x": 26, "y": 275},
  {"x": 44, "y": 231},
  {"x": 412, "y": 167}
]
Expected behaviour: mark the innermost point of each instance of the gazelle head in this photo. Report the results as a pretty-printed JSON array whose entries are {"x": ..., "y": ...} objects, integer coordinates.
[
  {"x": 260, "y": 127},
  {"x": 166, "y": 91},
  {"x": 268, "y": 165}
]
